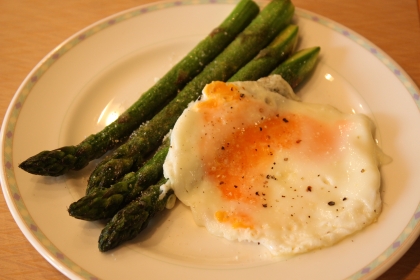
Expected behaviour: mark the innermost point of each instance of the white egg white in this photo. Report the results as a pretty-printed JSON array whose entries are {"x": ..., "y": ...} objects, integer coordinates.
[{"x": 316, "y": 185}]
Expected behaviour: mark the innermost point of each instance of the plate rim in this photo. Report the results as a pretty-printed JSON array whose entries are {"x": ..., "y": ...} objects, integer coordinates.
[{"x": 69, "y": 267}]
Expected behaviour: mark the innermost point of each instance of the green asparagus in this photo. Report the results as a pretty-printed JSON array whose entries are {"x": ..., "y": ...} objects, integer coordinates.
[
  {"x": 268, "y": 58},
  {"x": 129, "y": 156},
  {"x": 296, "y": 68},
  {"x": 133, "y": 218},
  {"x": 102, "y": 203},
  {"x": 59, "y": 161}
]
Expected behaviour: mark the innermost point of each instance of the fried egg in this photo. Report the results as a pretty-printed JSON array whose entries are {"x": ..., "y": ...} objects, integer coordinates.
[{"x": 255, "y": 164}]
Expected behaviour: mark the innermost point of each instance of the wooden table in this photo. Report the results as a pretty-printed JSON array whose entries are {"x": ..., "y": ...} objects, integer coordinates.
[{"x": 32, "y": 28}]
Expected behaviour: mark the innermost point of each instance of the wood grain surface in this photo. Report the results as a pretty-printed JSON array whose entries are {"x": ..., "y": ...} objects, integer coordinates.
[{"x": 29, "y": 29}]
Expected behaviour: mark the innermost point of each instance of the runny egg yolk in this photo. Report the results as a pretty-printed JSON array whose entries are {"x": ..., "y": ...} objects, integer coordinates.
[{"x": 235, "y": 166}]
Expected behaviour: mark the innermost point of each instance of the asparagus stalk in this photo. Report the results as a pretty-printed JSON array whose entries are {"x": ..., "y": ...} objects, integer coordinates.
[
  {"x": 59, "y": 161},
  {"x": 131, "y": 220},
  {"x": 102, "y": 203},
  {"x": 279, "y": 49},
  {"x": 296, "y": 68},
  {"x": 129, "y": 156}
]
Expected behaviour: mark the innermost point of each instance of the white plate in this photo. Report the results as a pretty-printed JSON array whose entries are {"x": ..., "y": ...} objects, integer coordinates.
[{"x": 102, "y": 69}]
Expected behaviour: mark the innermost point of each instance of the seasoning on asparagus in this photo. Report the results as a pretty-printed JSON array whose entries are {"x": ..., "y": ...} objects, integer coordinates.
[
  {"x": 129, "y": 156},
  {"x": 134, "y": 217},
  {"x": 59, "y": 161}
]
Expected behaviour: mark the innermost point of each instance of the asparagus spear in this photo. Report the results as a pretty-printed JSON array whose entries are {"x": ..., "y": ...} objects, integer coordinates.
[
  {"x": 128, "y": 222},
  {"x": 129, "y": 156},
  {"x": 279, "y": 49},
  {"x": 295, "y": 69},
  {"x": 59, "y": 161},
  {"x": 102, "y": 203}
]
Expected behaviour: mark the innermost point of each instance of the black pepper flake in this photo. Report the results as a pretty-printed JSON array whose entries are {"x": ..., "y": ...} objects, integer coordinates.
[
  {"x": 223, "y": 147},
  {"x": 331, "y": 203},
  {"x": 285, "y": 120},
  {"x": 271, "y": 177},
  {"x": 235, "y": 186},
  {"x": 298, "y": 141},
  {"x": 256, "y": 193},
  {"x": 260, "y": 128},
  {"x": 264, "y": 205},
  {"x": 345, "y": 198},
  {"x": 309, "y": 189},
  {"x": 221, "y": 183},
  {"x": 242, "y": 95}
]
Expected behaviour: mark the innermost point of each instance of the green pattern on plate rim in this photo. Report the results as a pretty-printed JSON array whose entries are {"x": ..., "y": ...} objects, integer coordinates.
[{"x": 31, "y": 80}]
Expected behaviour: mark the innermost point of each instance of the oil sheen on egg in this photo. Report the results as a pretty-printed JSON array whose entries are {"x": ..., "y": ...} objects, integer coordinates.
[{"x": 255, "y": 166}]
